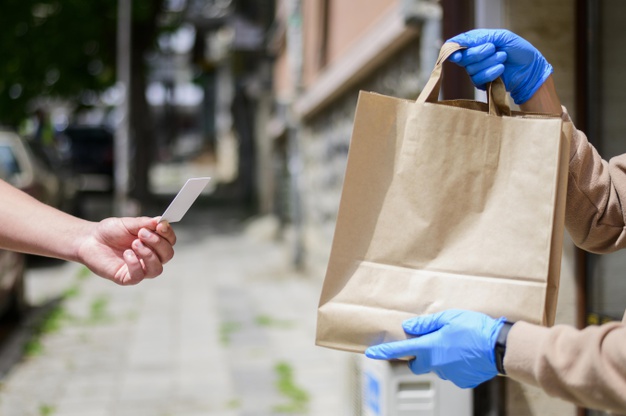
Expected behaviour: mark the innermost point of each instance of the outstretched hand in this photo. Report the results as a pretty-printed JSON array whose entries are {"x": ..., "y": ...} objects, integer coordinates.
[{"x": 128, "y": 250}]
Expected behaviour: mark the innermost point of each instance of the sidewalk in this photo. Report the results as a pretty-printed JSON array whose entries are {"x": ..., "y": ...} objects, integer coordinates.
[{"x": 227, "y": 330}]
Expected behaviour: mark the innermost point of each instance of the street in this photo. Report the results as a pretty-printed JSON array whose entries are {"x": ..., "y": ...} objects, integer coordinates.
[{"x": 227, "y": 330}]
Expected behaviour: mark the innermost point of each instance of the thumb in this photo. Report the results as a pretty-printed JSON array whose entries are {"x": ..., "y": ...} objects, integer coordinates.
[{"x": 134, "y": 224}]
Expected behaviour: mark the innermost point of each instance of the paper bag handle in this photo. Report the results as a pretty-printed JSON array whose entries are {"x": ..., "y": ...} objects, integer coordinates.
[{"x": 496, "y": 91}]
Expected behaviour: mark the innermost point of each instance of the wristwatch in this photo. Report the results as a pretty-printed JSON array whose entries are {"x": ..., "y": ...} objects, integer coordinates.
[{"x": 500, "y": 348}]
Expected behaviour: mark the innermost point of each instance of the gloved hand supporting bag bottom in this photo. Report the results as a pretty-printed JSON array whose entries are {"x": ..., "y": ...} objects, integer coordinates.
[{"x": 445, "y": 205}]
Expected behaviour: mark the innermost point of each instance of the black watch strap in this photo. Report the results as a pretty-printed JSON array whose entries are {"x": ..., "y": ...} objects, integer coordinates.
[{"x": 500, "y": 348}]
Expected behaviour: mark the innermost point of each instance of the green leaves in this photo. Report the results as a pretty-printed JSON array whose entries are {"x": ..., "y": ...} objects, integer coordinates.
[{"x": 60, "y": 49}]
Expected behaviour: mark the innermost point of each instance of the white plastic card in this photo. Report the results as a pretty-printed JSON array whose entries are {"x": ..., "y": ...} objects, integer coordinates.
[{"x": 184, "y": 199}]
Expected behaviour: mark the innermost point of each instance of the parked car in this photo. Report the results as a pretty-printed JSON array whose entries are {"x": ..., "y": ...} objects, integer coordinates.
[
  {"x": 51, "y": 161},
  {"x": 12, "y": 294},
  {"x": 12, "y": 267},
  {"x": 40, "y": 172},
  {"x": 89, "y": 150},
  {"x": 26, "y": 169}
]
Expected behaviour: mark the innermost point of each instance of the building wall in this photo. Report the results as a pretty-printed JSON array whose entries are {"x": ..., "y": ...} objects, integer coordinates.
[
  {"x": 331, "y": 27},
  {"x": 325, "y": 133},
  {"x": 349, "y": 20},
  {"x": 325, "y": 142},
  {"x": 282, "y": 79},
  {"x": 314, "y": 31}
]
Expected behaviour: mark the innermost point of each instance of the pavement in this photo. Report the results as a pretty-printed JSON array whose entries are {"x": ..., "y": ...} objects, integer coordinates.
[{"x": 227, "y": 330}]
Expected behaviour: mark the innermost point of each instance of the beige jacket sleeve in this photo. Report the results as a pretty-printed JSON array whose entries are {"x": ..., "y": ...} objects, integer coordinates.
[
  {"x": 594, "y": 216},
  {"x": 588, "y": 366}
]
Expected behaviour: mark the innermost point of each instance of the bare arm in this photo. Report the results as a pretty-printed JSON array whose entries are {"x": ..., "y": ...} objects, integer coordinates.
[
  {"x": 124, "y": 250},
  {"x": 30, "y": 226},
  {"x": 545, "y": 100}
]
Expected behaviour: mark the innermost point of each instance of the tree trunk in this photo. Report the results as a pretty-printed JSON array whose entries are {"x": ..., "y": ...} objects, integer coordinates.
[{"x": 143, "y": 143}]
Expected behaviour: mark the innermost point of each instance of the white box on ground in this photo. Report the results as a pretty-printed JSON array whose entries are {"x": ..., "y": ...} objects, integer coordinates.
[{"x": 391, "y": 389}]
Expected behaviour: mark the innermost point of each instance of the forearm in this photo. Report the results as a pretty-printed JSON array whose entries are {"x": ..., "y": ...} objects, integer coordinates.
[
  {"x": 29, "y": 226},
  {"x": 545, "y": 100}
]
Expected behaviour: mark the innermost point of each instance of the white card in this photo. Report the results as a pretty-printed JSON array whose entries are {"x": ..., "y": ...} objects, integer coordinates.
[{"x": 184, "y": 199}]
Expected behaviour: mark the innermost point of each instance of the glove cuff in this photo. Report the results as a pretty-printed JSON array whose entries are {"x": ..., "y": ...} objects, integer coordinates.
[{"x": 500, "y": 347}]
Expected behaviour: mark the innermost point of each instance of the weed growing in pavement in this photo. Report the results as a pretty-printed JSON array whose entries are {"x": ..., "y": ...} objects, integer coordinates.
[
  {"x": 234, "y": 404},
  {"x": 52, "y": 322},
  {"x": 71, "y": 292},
  {"x": 46, "y": 410},
  {"x": 58, "y": 315},
  {"x": 83, "y": 273},
  {"x": 98, "y": 310},
  {"x": 268, "y": 321},
  {"x": 298, "y": 398},
  {"x": 74, "y": 290},
  {"x": 33, "y": 347},
  {"x": 226, "y": 330}
]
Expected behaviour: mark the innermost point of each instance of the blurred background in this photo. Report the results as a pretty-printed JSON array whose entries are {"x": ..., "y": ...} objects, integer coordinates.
[{"x": 108, "y": 106}]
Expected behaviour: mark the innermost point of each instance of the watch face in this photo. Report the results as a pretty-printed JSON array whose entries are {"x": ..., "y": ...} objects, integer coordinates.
[{"x": 504, "y": 333}]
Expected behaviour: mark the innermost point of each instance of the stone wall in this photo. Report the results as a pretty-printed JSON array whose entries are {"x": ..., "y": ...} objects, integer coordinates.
[{"x": 325, "y": 142}]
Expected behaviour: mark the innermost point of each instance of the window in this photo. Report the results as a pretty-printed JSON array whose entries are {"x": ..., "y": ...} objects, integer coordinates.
[{"x": 8, "y": 162}]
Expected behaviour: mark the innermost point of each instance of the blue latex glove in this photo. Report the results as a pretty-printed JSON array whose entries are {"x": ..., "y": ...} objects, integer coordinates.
[
  {"x": 496, "y": 52},
  {"x": 456, "y": 345}
]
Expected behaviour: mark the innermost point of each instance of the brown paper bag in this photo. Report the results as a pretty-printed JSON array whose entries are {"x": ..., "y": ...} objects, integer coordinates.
[{"x": 451, "y": 204}]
